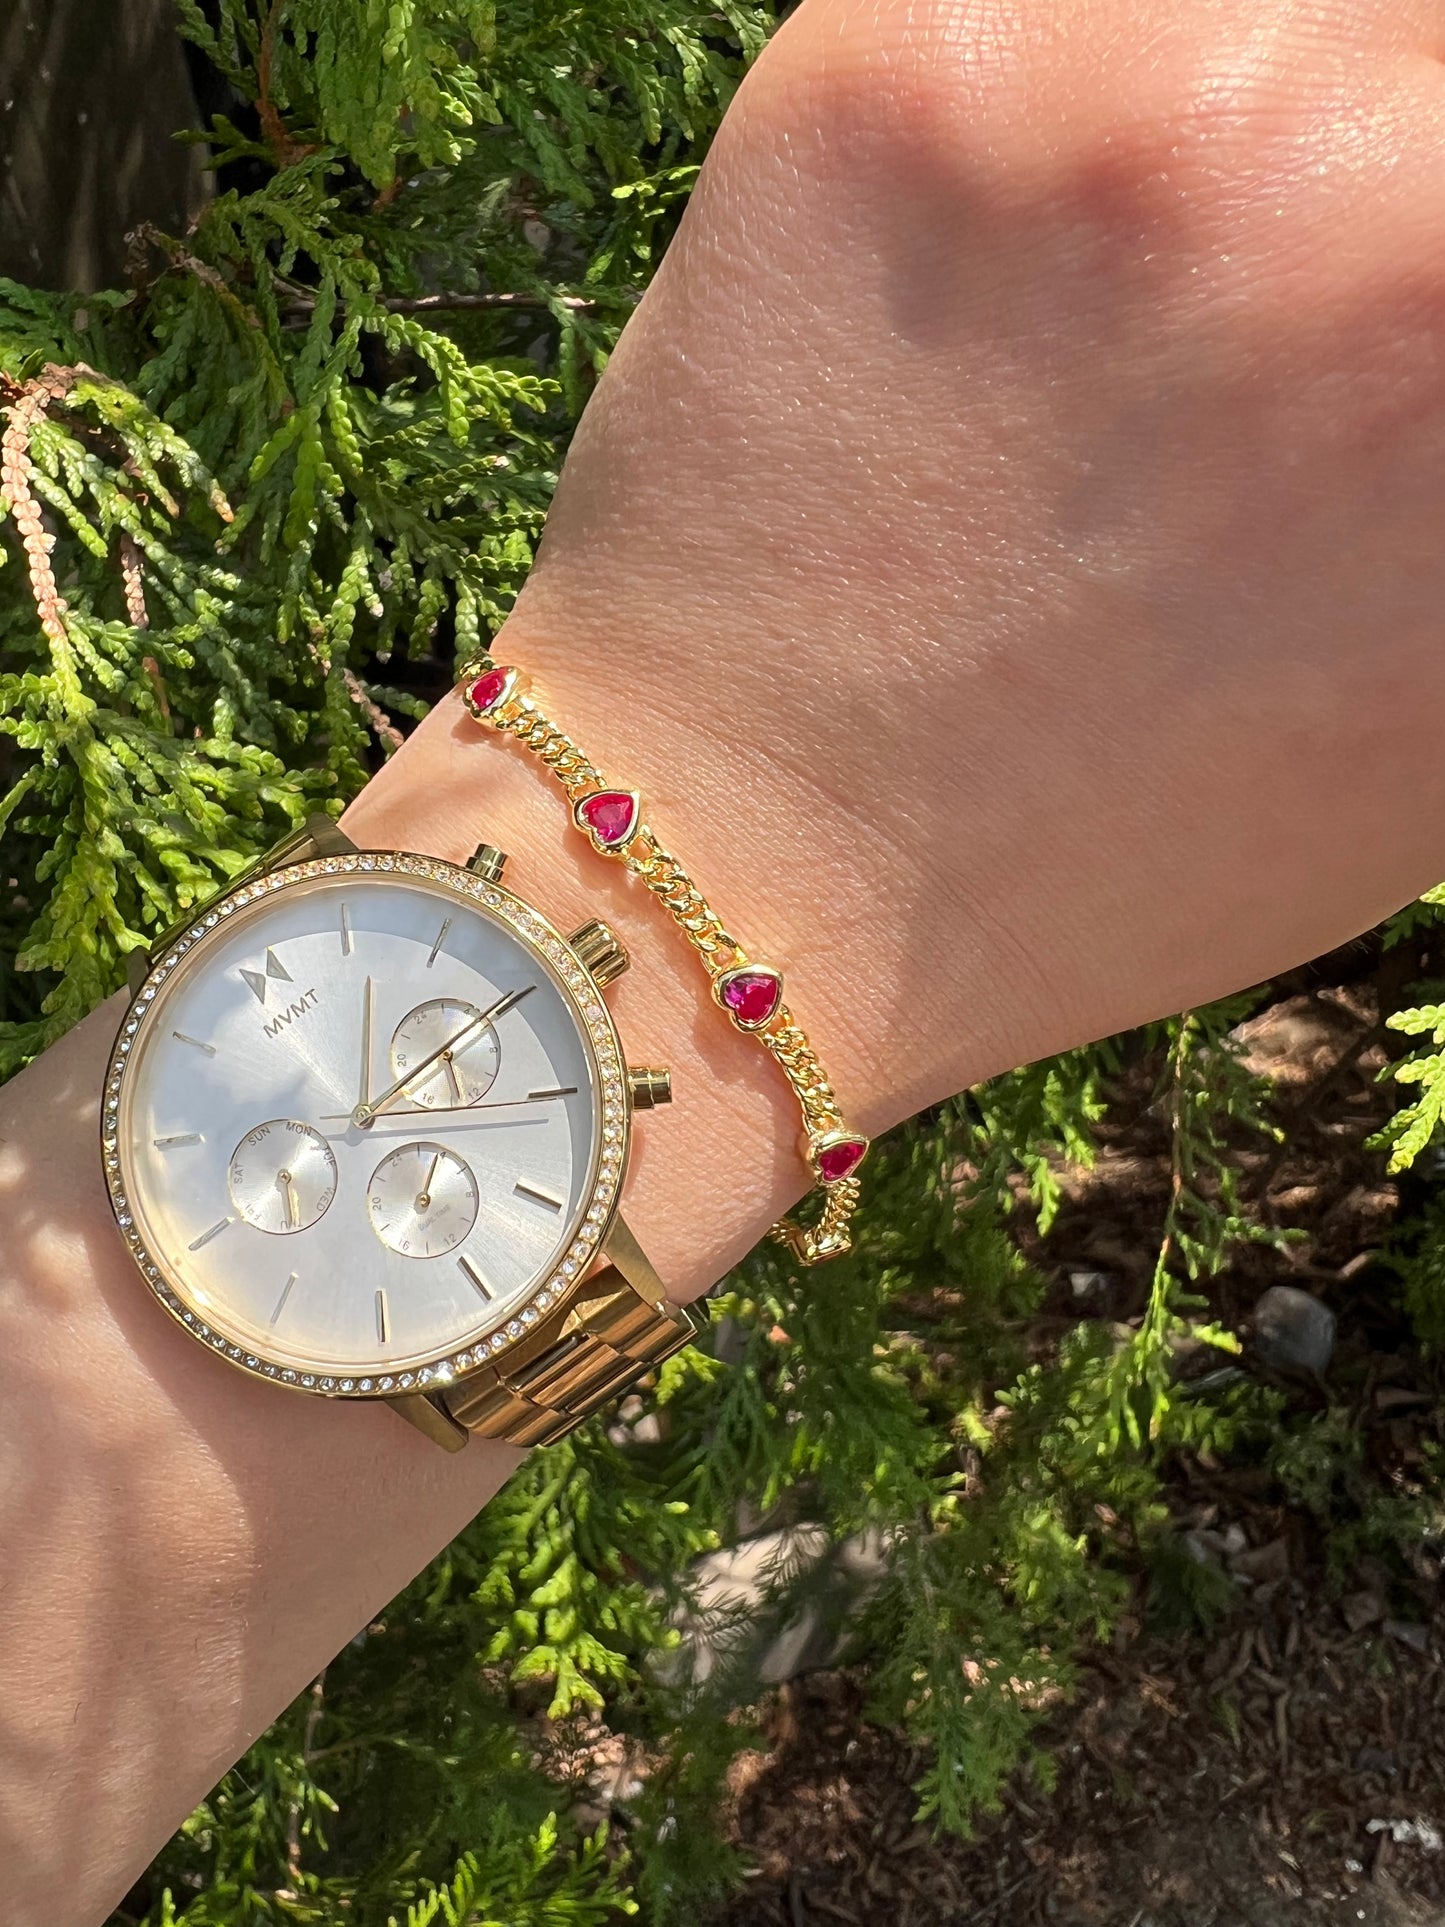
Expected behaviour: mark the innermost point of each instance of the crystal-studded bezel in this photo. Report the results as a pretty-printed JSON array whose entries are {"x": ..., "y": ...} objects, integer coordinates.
[{"x": 550, "y": 1299}]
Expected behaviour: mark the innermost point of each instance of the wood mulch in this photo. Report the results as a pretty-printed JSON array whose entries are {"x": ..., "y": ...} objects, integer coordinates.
[
  {"x": 1231, "y": 1786},
  {"x": 1224, "y": 1781}
]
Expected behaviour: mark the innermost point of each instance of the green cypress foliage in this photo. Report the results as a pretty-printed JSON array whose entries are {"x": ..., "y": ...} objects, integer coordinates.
[{"x": 249, "y": 503}]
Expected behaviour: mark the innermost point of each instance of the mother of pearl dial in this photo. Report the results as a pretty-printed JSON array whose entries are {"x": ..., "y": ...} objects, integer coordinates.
[{"x": 313, "y": 1242}]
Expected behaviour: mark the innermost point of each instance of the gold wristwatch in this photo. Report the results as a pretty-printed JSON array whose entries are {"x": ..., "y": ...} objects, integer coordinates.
[
  {"x": 366, "y": 1121},
  {"x": 365, "y": 1131}
]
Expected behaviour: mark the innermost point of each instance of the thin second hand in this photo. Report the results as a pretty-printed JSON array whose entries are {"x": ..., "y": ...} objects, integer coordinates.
[{"x": 459, "y": 1111}]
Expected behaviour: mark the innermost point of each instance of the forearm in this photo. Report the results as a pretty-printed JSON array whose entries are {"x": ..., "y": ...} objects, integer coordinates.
[{"x": 185, "y": 1547}]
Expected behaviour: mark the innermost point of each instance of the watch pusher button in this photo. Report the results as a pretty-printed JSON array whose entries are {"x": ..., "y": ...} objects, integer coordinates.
[
  {"x": 487, "y": 862},
  {"x": 648, "y": 1086},
  {"x": 599, "y": 950}
]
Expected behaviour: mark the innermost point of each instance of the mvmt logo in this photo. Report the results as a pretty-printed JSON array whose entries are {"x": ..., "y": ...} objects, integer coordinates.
[
  {"x": 274, "y": 969},
  {"x": 260, "y": 982}
]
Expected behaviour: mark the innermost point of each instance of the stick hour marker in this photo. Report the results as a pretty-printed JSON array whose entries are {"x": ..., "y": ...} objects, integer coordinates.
[
  {"x": 537, "y": 1197},
  {"x": 381, "y": 1330},
  {"x": 345, "y": 931},
  {"x": 285, "y": 1294},
  {"x": 206, "y": 1236},
  {"x": 470, "y": 1270},
  {"x": 170, "y": 1143},
  {"x": 181, "y": 1038},
  {"x": 440, "y": 940},
  {"x": 558, "y": 1090}
]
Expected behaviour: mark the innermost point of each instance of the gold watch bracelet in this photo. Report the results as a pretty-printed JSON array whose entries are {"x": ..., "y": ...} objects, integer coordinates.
[{"x": 748, "y": 990}]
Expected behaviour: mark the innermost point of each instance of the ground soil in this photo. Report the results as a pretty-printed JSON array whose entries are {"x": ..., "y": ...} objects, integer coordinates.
[{"x": 1226, "y": 1779}]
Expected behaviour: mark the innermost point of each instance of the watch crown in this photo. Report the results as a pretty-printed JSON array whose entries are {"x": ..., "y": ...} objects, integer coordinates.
[
  {"x": 599, "y": 950},
  {"x": 487, "y": 862},
  {"x": 648, "y": 1087}
]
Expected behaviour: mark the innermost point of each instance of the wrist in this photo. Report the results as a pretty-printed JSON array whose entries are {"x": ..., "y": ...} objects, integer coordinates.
[{"x": 455, "y": 784}]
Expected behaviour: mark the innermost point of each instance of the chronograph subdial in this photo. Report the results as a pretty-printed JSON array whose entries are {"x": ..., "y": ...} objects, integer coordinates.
[
  {"x": 457, "y": 1077},
  {"x": 422, "y": 1200},
  {"x": 282, "y": 1176}
]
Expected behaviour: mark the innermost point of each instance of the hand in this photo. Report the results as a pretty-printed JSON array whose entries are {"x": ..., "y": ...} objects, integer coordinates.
[
  {"x": 1022, "y": 485},
  {"x": 1061, "y": 499}
]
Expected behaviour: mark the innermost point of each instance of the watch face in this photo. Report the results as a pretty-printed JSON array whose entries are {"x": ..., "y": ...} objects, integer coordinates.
[{"x": 365, "y": 1123}]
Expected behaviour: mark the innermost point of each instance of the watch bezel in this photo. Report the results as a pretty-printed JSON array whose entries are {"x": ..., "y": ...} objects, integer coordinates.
[{"x": 563, "y": 1282}]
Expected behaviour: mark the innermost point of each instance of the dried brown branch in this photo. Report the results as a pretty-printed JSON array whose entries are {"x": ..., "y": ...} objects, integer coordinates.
[
  {"x": 133, "y": 583},
  {"x": 273, "y": 129},
  {"x": 385, "y": 728},
  {"x": 24, "y": 403}
]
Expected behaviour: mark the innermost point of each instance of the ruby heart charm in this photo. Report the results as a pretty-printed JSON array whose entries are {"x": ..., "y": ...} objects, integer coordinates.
[
  {"x": 750, "y": 993},
  {"x": 491, "y": 689},
  {"x": 837, "y": 1155},
  {"x": 610, "y": 817}
]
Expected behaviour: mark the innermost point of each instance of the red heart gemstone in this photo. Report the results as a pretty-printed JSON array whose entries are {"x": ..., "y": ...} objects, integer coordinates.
[
  {"x": 752, "y": 995},
  {"x": 841, "y": 1160},
  {"x": 611, "y": 815},
  {"x": 488, "y": 689}
]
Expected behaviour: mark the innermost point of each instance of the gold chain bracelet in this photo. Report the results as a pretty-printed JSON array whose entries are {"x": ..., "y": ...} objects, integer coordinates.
[{"x": 750, "y": 992}]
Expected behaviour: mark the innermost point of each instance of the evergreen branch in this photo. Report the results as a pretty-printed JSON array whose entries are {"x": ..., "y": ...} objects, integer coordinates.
[{"x": 300, "y": 302}]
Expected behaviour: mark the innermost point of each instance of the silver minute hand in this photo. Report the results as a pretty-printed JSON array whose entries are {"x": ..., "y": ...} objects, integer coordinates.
[{"x": 364, "y": 1113}]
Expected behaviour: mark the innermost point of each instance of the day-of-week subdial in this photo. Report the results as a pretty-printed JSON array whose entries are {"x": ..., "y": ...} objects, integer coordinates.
[
  {"x": 455, "y": 1076},
  {"x": 282, "y": 1176},
  {"x": 422, "y": 1200}
]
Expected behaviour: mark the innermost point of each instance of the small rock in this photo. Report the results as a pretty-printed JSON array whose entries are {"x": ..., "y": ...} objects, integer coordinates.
[
  {"x": 1375, "y": 1759},
  {"x": 1084, "y": 1284},
  {"x": 1361, "y": 1609},
  {"x": 1409, "y": 1833},
  {"x": 736, "y": 1619},
  {"x": 1261, "y": 1564},
  {"x": 729, "y": 1337},
  {"x": 1416, "y": 1637},
  {"x": 1293, "y": 1332}
]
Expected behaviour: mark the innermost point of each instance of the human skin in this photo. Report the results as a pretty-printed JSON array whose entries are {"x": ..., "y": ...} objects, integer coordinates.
[{"x": 1004, "y": 551}]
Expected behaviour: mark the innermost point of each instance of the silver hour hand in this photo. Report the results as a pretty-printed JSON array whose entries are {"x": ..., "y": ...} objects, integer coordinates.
[{"x": 364, "y": 1092}]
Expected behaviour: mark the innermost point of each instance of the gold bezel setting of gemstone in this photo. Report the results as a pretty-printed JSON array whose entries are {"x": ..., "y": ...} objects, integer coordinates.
[{"x": 600, "y": 1040}]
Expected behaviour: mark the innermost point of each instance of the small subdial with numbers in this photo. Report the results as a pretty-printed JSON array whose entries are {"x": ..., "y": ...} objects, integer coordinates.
[
  {"x": 282, "y": 1176},
  {"x": 460, "y": 1075},
  {"x": 422, "y": 1200}
]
